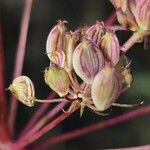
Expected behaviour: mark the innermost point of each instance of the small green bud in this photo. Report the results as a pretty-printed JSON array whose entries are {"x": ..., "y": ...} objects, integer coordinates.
[
  {"x": 57, "y": 79},
  {"x": 22, "y": 88}
]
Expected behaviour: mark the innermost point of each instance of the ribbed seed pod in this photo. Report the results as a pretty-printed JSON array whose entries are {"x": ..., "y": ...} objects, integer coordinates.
[
  {"x": 22, "y": 88},
  {"x": 142, "y": 14},
  {"x": 106, "y": 87},
  {"x": 88, "y": 60},
  {"x": 95, "y": 32},
  {"x": 110, "y": 47},
  {"x": 71, "y": 42},
  {"x": 125, "y": 13},
  {"x": 55, "y": 45},
  {"x": 57, "y": 79}
]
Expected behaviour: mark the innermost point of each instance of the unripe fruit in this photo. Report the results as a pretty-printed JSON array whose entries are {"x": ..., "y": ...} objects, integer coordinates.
[
  {"x": 110, "y": 47},
  {"x": 22, "y": 88},
  {"x": 106, "y": 88},
  {"x": 57, "y": 79}
]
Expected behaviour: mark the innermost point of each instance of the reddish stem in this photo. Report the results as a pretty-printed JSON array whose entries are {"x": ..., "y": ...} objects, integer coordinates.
[
  {"x": 43, "y": 131},
  {"x": 94, "y": 127},
  {"x": 20, "y": 56},
  {"x": 43, "y": 121},
  {"x": 37, "y": 116},
  {"x": 4, "y": 132},
  {"x": 135, "y": 38},
  {"x": 111, "y": 19},
  {"x": 144, "y": 147}
]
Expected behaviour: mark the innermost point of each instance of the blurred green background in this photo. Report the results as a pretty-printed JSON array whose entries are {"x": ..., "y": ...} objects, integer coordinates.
[{"x": 44, "y": 15}]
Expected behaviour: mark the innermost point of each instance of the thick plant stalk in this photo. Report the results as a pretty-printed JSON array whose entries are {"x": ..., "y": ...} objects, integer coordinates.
[
  {"x": 20, "y": 56},
  {"x": 91, "y": 128}
]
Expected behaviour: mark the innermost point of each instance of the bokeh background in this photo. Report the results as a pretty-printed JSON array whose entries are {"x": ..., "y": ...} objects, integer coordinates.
[{"x": 44, "y": 15}]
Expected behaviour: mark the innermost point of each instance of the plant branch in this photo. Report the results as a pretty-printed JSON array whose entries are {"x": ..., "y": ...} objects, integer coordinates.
[
  {"x": 2, "y": 79},
  {"x": 43, "y": 121},
  {"x": 94, "y": 127},
  {"x": 36, "y": 116},
  {"x": 4, "y": 132},
  {"x": 44, "y": 130},
  {"x": 143, "y": 147},
  {"x": 20, "y": 56},
  {"x": 110, "y": 20},
  {"x": 135, "y": 38}
]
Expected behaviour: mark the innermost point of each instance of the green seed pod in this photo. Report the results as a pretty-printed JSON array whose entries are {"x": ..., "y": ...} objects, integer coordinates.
[
  {"x": 57, "y": 79},
  {"x": 22, "y": 88},
  {"x": 106, "y": 87}
]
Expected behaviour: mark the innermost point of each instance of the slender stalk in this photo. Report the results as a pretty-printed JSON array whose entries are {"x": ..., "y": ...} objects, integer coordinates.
[
  {"x": 116, "y": 28},
  {"x": 91, "y": 128},
  {"x": 2, "y": 79},
  {"x": 135, "y": 38},
  {"x": 4, "y": 132},
  {"x": 43, "y": 121},
  {"x": 74, "y": 85},
  {"x": 110, "y": 20},
  {"x": 36, "y": 116},
  {"x": 51, "y": 100},
  {"x": 43, "y": 131},
  {"x": 20, "y": 56},
  {"x": 144, "y": 147}
]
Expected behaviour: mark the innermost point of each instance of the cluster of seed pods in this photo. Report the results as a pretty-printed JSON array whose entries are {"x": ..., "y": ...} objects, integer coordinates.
[
  {"x": 94, "y": 55},
  {"x": 133, "y": 14},
  {"x": 86, "y": 67}
]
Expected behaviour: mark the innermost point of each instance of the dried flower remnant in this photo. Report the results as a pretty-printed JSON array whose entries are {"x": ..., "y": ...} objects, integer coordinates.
[
  {"x": 72, "y": 39},
  {"x": 22, "y": 88},
  {"x": 57, "y": 79},
  {"x": 128, "y": 78},
  {"x": 88, "y": 60}
]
